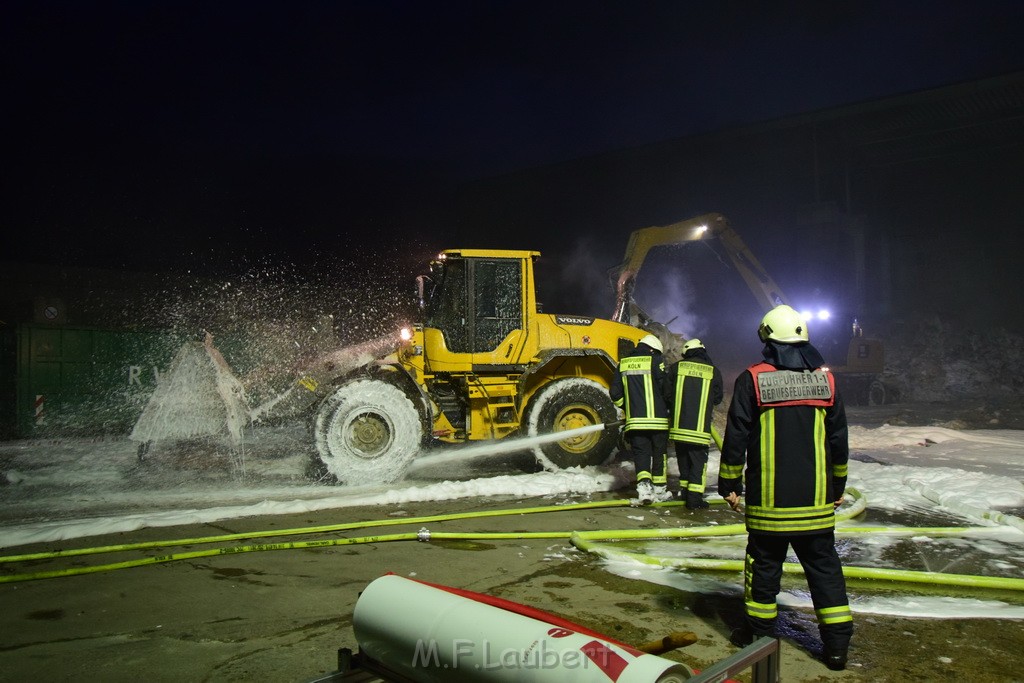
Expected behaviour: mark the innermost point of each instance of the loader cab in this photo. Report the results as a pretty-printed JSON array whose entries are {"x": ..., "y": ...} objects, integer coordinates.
[{"x": 476, "y": 301}]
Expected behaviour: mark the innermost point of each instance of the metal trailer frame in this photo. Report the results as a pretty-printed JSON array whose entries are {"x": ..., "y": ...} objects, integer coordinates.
[{"x": 762, "y": 657}]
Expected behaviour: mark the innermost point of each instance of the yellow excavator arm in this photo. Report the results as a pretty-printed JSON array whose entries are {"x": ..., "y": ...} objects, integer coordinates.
[
  {"x": 706, "y": 226},
  {"x": 864, "y": 356}
]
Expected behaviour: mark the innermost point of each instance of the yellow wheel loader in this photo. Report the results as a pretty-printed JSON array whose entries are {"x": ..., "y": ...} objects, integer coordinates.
[{"x": 483, "y": 363}]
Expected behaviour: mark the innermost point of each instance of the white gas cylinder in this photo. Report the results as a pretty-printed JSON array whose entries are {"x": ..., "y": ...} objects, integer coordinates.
[{"x": 431, "y": 635}]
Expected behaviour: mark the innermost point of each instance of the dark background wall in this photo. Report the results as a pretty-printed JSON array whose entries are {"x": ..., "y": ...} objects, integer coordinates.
[
  {"x": 901, "y": 206},
  {"x": 888, "y": 210}
]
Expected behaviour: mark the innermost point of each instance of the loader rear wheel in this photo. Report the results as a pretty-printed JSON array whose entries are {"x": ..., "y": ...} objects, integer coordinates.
[
  {"x": 876, "y": 393},
  {"x": 367, "y": 432},
  {"x": 570, "y": 403}
]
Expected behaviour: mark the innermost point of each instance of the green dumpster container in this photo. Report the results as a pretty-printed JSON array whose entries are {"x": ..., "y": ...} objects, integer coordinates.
[
  {"x": 86, "y": 381},
  {"x": 8, "y": 363}
]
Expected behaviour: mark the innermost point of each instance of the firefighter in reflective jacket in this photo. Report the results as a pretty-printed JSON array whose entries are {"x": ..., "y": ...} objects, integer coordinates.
[
  {"x": 787, "y": 424},
  {"x": 638, "y": 389},
  {"x": 693, "y": 389}
]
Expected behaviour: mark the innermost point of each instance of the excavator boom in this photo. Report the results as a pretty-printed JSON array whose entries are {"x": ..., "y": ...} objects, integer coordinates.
[
  {"x": 709, "y": 225},
  {"x": 864, "y": 358}
]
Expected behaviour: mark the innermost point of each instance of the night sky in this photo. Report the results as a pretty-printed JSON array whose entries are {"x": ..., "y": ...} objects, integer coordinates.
[{"x": 156, "y": 134}]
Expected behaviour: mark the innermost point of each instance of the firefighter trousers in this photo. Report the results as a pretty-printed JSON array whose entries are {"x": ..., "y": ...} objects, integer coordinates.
[
  {"x": 649, "y": 448},
  {"x": 762, "y": 578},
  {"x": 692, "y": 459}
]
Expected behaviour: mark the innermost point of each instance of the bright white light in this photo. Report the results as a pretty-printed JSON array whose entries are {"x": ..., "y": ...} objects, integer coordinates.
[
  {"x": 806, "y": 315},
  {"x": 406, "y": 334},
  {"x": 823, "y": 314},
  {"x": 701, "y": 229}
]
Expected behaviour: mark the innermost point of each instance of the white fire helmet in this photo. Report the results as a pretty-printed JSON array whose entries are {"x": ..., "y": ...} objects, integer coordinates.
[
  {"x": 693, "y": 344},
  {"x": 653, "y": 342},
  {"x": 783, "y": 324}
]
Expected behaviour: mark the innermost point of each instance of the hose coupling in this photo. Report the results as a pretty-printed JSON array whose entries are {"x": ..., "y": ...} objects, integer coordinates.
[{"x": 423, "y": 534}]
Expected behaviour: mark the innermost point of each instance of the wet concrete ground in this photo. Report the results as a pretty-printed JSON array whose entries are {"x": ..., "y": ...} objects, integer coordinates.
[{"x": 281, "y": 615}]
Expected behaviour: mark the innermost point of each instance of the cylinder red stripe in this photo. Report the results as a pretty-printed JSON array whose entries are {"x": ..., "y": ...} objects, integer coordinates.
[{"x": 531, "y": 612}]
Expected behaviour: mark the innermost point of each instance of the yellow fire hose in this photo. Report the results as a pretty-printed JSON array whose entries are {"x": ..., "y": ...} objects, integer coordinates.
[
  {"x": 312, "y": 530},
  {"x": 412, "y": 536},
  {"x": 586, "y": 541}
]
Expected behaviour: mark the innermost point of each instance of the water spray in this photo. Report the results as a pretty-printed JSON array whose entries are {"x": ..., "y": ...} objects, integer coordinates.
[{"x": 506, "y": 445}]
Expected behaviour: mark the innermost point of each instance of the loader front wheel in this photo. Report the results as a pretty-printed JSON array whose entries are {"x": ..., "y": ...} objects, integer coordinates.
[
  {"x": 570, "y": 403},
  {"x": 367, "y": 432}
]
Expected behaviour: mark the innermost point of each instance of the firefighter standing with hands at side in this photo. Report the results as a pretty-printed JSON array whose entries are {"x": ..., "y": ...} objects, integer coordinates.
[
  {"x": 693, "y": 389},
  {"x": 788, "y": 426},
  {"x": 638, "y": 389}
]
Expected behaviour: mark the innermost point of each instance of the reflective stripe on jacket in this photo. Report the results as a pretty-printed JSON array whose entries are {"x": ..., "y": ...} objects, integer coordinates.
[
  {"x": 638, "y": 388},
  {"x": 693, "y": 390},
  {"x": 789, "y": 428}
]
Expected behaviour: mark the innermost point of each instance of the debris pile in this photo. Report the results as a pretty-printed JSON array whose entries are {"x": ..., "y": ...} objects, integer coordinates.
[{"x": 938, "y": 360}]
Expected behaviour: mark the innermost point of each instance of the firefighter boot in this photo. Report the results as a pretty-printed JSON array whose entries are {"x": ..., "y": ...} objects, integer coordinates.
[
  {"x": 835, "y": 658},
  {"x": 662, "y": 494},
  {"x": 645, "y": 491},
  {"x": 741, "y": 637},
  {"x": 695, "y": 501}
]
